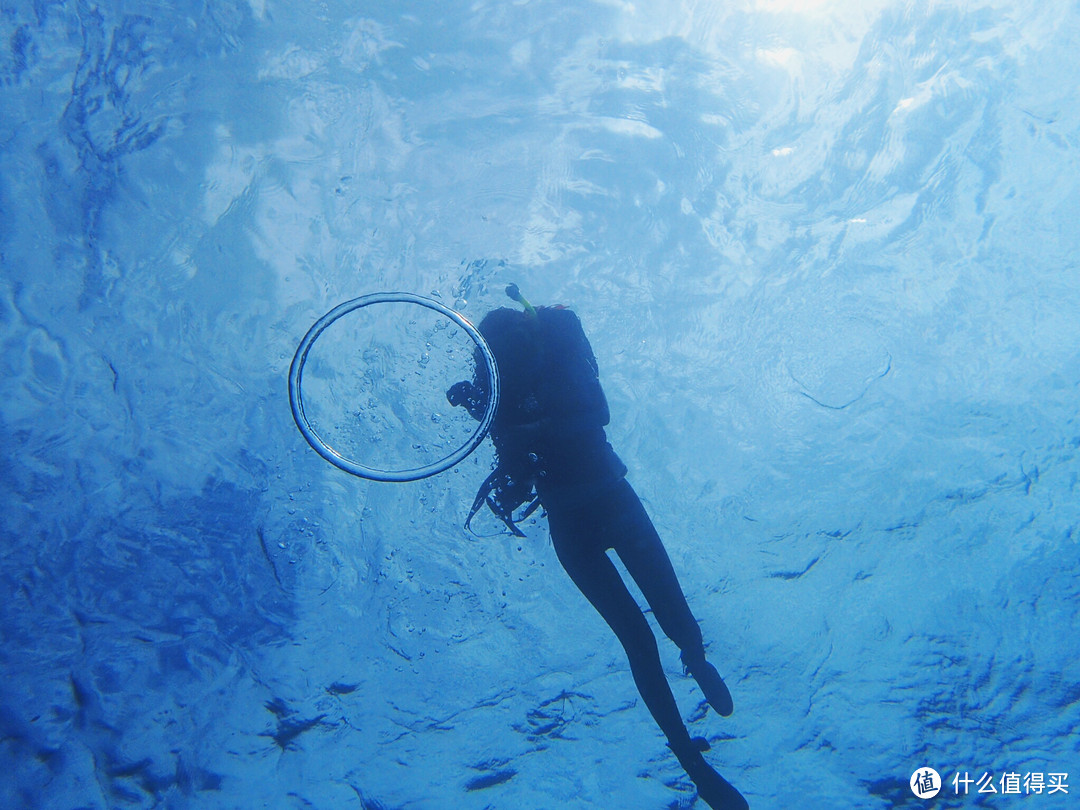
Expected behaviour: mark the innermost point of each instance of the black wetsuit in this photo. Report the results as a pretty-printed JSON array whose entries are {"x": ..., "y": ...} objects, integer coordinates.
[{"x": 549, "y": 433}]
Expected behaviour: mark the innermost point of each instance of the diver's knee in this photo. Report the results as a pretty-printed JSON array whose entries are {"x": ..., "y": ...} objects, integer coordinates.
[{"x": 638, "y": 639}]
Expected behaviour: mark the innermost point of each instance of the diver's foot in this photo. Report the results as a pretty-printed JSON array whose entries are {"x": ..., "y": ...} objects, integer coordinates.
[
  {"x": 716, "y": 791},
  {"x": 712, "y": 685},
  {"x": 713, "y": 789}
]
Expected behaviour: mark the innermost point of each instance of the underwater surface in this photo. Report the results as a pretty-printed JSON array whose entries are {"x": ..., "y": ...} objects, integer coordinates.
[{"x": 826, "y": 254}]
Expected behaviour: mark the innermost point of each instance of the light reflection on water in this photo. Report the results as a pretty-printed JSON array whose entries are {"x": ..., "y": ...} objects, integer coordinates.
[{"x": 826, "y": 256}]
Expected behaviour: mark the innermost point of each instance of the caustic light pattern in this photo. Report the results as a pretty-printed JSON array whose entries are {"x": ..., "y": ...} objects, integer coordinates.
[{"x": 826, "y": 256}]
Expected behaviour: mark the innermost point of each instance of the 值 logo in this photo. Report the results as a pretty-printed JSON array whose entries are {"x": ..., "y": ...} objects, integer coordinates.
[{"x": 925, "y": 783}]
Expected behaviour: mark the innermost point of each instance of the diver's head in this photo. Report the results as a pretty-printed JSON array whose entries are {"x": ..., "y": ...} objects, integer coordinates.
[
  {"x": 512, "y": 336},
  {"x": 516, "y": 342}
]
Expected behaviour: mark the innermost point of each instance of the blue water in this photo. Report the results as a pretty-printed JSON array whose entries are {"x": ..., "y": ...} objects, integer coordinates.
[{"x": 826, "y": 254}]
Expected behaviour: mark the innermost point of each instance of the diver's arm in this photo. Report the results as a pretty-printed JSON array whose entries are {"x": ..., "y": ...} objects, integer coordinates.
[{"x": 470, "y": 396}]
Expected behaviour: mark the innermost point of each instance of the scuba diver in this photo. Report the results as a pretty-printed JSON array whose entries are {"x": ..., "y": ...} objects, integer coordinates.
[{"x": 552, "y": 451}]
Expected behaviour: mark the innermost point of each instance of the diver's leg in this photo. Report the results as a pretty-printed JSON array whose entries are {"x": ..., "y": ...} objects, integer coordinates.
[
  {"x": 639, "y": 547},
  {"x": 598, "y": 579},
  {"x": 643, "y": 554},
  {"x": 714, "y": 789}
]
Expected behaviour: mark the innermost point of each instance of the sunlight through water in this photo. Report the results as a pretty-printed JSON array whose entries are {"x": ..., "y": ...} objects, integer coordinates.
[{"x": 826, "y": 255}]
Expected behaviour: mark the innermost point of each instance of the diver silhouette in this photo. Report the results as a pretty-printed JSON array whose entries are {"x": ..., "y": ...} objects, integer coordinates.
[{"x": 553, "y": 452}]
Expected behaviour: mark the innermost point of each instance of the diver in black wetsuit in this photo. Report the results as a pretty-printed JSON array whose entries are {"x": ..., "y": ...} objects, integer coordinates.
[{"x": 549, "y": 436}]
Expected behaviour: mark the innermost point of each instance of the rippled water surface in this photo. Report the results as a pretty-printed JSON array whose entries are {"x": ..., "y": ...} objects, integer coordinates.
[{"x": 826, "y": 255}]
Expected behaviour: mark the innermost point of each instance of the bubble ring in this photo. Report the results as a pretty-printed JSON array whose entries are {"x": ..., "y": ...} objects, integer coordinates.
[{"x": 296, "y": 399}]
